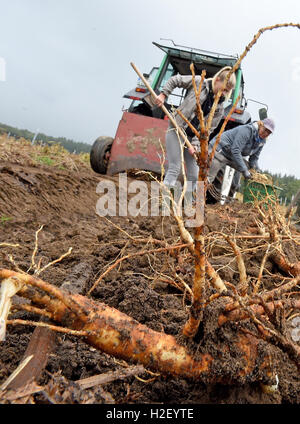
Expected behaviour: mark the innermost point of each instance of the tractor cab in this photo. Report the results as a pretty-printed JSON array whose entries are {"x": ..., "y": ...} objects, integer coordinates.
[{"x": 177, "y": 59}]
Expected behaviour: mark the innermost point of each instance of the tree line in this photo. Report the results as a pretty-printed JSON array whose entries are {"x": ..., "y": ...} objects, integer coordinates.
[
  {"x": 289, "y": 185},
  {"x": 70, "y": 145}
]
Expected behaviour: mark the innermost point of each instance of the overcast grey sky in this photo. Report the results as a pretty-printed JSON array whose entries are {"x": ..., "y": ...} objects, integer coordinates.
[{"x": 68, "y": 61}]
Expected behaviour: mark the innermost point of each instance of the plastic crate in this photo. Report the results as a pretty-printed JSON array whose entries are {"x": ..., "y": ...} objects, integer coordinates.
[{"x": 258, "y": 191}]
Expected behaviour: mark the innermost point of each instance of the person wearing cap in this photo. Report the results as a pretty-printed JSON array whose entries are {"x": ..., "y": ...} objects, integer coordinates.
[
  {"x": 188, "y": 107},
  {"x": 239, "y": 143}
]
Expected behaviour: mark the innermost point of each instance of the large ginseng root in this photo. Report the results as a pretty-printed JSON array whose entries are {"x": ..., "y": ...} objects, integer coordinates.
[{"x": 117, "y": 334}]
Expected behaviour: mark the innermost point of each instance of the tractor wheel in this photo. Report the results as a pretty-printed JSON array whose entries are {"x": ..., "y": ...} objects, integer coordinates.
[{"x": 99, "y": 155}]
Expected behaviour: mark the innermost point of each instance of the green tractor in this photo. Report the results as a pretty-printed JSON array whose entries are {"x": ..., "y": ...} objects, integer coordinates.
[{"x": 140, "y": 135}]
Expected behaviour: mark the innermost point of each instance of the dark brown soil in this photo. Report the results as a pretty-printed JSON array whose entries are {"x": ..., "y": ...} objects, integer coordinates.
[{"x": 64, "y": 203}]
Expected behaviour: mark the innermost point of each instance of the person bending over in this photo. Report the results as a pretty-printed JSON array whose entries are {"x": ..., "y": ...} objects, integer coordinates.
[{"x": 239, "y": 143}]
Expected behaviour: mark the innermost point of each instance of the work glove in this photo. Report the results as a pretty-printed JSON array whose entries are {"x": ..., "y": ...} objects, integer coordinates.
[{"x": 247, "y": 175}]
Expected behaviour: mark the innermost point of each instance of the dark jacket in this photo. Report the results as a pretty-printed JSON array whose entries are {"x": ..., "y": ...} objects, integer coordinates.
[{"x": 241, "y": 142}]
